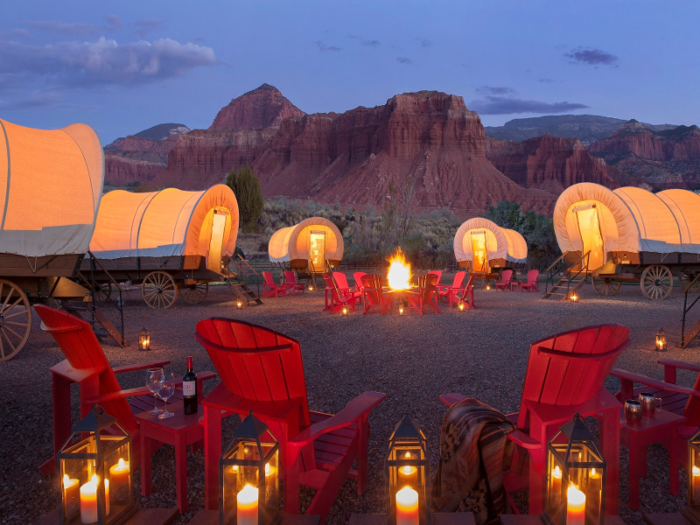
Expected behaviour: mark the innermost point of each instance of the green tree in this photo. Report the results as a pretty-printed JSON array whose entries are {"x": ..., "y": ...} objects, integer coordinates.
[{"x": 246, "y": 187}]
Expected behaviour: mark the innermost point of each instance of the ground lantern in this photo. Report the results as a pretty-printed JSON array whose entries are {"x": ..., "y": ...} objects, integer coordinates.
[
  {"x": 249, "y": 476},
  {"x": 575, "y": 483},
  {"x": 144, "y": 340},
  {"x": 94, "y": 467},
  {"x": 692, "y": 511},
  {"x": 661, "y": 341},
  {"x": 407, "y": 475}
]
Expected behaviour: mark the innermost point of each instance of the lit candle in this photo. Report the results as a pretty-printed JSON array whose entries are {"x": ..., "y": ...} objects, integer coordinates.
[
  {"x": 119, "y": 479},
  {"x": 88, "y": 500},
  {"x": 595, "y": 487},
  {"x": 247, "y": 506},
  {"x": 575, "y": 506},
  {"x": 696, "y": 484},
  {"x": 408, "y": 475},
  {"x": 71, "y": 494},
  {"x": 556, "y": 486},
  {"x": 407, "y": 507}
]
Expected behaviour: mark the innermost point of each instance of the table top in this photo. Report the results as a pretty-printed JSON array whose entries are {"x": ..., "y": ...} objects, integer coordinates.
[
  {"x": 666, "y": 519},
  {"x": 179, "y": 421},
  {"x": 211, "y": 517},
  {"x": 659, "y": 419},
  {"x": 439, "y": 518},
  {"x": 535, "y": 519},
  {"x": 141, "y": 517}
]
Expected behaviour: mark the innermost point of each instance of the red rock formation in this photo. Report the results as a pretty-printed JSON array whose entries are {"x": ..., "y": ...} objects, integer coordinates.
[
  {"x": 550, "y": 163},
  {"x": 681, "y": 143},
  {"x": 261, "y": 108},
  {"x": 124, "y": 171}
]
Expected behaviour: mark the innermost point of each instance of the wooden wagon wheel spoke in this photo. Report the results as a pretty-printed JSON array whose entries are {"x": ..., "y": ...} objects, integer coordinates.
[
  {"x": 10, "y": 330},
  {"x": 656, "y": 282},
  {"x": 15, "y": 304},
  {"x": 195, "y": 293},
  {"x": 159, "y": 290},
  {"x": 7, "y": 299}
]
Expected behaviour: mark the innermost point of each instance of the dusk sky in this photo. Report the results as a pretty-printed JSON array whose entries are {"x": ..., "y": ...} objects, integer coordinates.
[{"x": 135, "y": 64}]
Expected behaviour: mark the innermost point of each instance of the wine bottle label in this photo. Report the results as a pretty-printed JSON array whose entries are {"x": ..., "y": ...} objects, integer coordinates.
[{"x": 189, "y": 388}]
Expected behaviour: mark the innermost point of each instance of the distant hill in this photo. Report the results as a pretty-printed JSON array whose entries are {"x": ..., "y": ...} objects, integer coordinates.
[
  {"x": 162, "y": 131},
  {"x": 586, "y": 128}
]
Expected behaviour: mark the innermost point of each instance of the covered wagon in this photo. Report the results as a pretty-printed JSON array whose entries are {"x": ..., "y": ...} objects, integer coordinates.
[
  {"x": 482, "y": 246},
  {"x": 629, "y": 234},
  {"x": 311, "y": 246},
  {"x": 167, "y": 241},
  {"x": 51, "y": 187}
]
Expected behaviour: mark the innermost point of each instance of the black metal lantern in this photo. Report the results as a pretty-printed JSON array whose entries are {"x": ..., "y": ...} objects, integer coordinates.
[
  {"x": 144, "y": 340},
  {"x": 661, "y": 342},
  {"x": 407, "y": 475},
  {"x": 94, "y": 467},
  {"x": 249, "y": 476},
  {"x": 692, "y": 511},
  {"x": 575, "y": 483}
]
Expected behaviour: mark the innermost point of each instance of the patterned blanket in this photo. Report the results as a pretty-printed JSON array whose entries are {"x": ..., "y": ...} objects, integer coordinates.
[{"x": 474, "y": 452}]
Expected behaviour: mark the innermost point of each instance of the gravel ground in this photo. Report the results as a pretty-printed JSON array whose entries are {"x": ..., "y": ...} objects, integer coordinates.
[{"x": 481, "y": 353}]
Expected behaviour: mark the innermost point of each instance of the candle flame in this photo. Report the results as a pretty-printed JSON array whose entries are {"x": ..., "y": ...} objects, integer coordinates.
[
  {"x": 592, "y": 472},
  {"x": 575, "y": 496},
  {"x": 249, "y": 494},
  {"x": 696, "y": 471},
  {"x": 408, "y": 454},
  {"x": 66, "y": 479},
  {"x": 399, "y": 271},
  {"x": 556, "y": 472},
  {"x": 267, "y": 469}
]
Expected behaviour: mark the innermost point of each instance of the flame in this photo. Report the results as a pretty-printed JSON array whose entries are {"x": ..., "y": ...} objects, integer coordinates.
[{"x": 399, "y": 271}]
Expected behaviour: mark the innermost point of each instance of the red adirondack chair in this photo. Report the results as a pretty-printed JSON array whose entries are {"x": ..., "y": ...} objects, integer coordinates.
[
  {"x": 439, "y": 276},
  {"x": 506, "y": 278},
  {"x": 451, "y": 293},
  {"x": 426, "y": 294},
  {"x": 468, "y": 292},
  {"x": 273, "y": 289},
  {"x": 375, "y": 297},
  {"x": 358, "y": 281},
  {"x": 565, "y": 376},
  {"x": 337, "y": 299},
  {"x": 344, "y": 288},
  {"x": 291, "y": 284},
  {"x": 86, "y": 364},
  {"x": 533, "y": 282},
  {"x": 262, "y": 370}
]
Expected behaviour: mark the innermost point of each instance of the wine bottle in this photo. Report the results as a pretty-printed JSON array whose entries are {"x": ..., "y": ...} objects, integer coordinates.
[{"x": 189, "y": 389}]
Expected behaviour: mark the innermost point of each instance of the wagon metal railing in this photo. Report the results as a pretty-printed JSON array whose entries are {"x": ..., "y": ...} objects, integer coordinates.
[
  {"x": 695, "y": 330},
  {"x": 554, "y": 269}
]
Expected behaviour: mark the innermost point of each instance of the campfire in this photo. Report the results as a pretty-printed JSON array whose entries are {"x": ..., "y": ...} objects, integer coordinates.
[{"x": 399, "y": 271}]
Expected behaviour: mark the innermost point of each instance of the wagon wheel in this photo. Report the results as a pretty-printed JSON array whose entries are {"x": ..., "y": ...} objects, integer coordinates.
[
  {"x": 159, "y": 290},
  {"x": 656, "y": 282},
  {"x": 606, "y": 287},
  {"x": 102, "y": 291},
  {"x": 15, "y": 320},
  {"x": 195, "y": 293}
]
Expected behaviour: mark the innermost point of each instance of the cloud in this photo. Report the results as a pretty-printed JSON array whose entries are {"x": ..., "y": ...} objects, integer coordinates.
[
  {"x": 199, "y": 39},
  {"x": 16, "y": 33},
  {"x": 322, "y": 46},
  {"x": 101, "y": 63},
  {"x": 424, "y": 42},
  {"x": 404, "y": 60},
  {"x": 114, "y": 23},
  {"x": 370, "y": 43},
  {"x": 545, "y": 81},
  {"x": 38, "y": 99},
  {"x": 492, "y": 90},
  {"x": 55, "y": 26},
  {"x": 509, "y": 106},
  {"x": 143, "y": 27},
  {"x": 592, "y": 57}
]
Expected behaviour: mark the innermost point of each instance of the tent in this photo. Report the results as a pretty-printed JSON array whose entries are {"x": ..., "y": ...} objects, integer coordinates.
[
  {"x": 626, "y": 222},
  {"x": 51, "y": 186},
  {"x": 482, "y": 244},
  {"x": 310, "y": 243},
  {"x": 167, "y": 223}
]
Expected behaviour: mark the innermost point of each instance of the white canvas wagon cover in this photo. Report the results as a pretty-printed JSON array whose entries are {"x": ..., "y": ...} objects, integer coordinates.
[
  {"x": 50, "y": 188},
  {"x": 631, "y": 219},
  {"x": 165, "y": 223},
  {"x": 501, "y": 243},
  {"x": 288, "y": 244}
]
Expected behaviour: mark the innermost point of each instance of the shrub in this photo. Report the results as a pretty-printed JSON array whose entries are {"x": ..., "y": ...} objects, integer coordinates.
[{"x": 246, "y": 187}]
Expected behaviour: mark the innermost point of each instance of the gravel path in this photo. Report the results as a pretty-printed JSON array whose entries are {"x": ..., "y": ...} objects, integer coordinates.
[{"x": 481, "y": 353}]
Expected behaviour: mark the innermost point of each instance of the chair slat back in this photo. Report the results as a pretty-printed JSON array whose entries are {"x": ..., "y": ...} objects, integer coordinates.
[
  {"x": 506, "y": 276},
  {"x": 330, "y": 283},
  {"x": 556, "y": 379},
  {"x": 241, "y": 353},
  {"x": 692, "y": 408},
  {"x": 458, "y": 280},
  {"x": 373, "y": 288},
  {"x": 341, "y": 280},
  {"x": 532, "y": 276},
  {"x": 358, "y": 279},
  {"x": 428, "y": 285},
  {"x": 439, "y": 276},
  {"x": 290, "y": 278},
  {"x": 76, "y": 339},
  {"x": 269, "y": 280}
]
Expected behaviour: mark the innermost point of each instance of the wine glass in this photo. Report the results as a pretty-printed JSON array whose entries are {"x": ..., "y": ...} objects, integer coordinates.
[
  {"x": 154, "y": 381},
  {"x": 167, "y": 389}
]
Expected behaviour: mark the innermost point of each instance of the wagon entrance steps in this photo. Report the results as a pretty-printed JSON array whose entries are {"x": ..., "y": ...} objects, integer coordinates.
[
  {"x": 245, "y": 282},
  {"x": 574, "y": 274},
  {"x": 687, "y": 337}
]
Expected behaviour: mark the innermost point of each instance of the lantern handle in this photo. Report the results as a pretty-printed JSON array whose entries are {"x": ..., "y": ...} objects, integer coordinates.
[{"x": 97, "y": 409}]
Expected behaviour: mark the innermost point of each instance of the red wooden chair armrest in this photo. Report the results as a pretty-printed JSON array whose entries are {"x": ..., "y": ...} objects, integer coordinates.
[
  {"x": 224, "y": 399},
  {"x": 77, "y": 375},
  {"x": 451, "y": 399},
  {"x": 129, "y": 392},
  {"x": 60, "y": 329},
  {"x": 353, "y": 411},
  {"x": 521, "y": 439},
  {"x": 138, "y": 366},
  {"x": 624, "y": 375},
  {"x": 670, "y": 363}
]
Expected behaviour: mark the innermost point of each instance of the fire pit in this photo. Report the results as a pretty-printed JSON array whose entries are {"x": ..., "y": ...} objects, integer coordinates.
[{"x": 399, "y": 277}]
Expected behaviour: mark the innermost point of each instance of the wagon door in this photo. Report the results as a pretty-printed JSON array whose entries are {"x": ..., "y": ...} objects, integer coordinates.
[
  {"x": 589, "y": 228},
  {"x": 480, "y": 256},
  {"x": 216, "y": 244},
  {"x": 317, "y": 251}
]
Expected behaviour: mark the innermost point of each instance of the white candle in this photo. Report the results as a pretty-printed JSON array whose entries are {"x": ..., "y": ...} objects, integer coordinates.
[
  {"x": 556, "y": 486},
  {"x": 247, "y": 506},
  {"x": 595, "y": 487},
  {"x": 88, "y": 500},
  {"x": 119, "y": 480},
  {"x": 407, "y": 507},
  {"x": 71, "y": 494},
  {"x": 575, "y": 507},
  {"x": 696, "y": 484}
]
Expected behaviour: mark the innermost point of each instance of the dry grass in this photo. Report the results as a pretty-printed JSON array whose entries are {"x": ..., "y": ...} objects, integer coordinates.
[{"x": 414, "y": 359}]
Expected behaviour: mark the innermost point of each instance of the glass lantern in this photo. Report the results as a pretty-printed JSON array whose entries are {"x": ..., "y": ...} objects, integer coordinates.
[
  {"x": 144, "y": 340},
  {"x": 575, "y": 477},
  {"x": 661, "y": 342},
  {"x": 239, "y": 304},
  {"x": 461, "y": 305},
  {"x": 94, "y": 467},
  {"x": 573, "y": 297},
  {"x": 692, "y": 511},
  {"x": 407, "y": 475},
  {"x": 249, "y": 476}
]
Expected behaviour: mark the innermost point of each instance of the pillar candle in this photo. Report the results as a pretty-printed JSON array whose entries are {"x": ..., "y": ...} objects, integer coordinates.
[
  {"x": 407, "y": 507},
  {"x": 556, "y": 486},
  {"x": 595, "y": 486},
  {"x": 408, "y": 476},
  {"x": 71, "y": 495},
  {"x": 575, "y": 507},
  {"x": 247, "y": 506},
  {"x": 696, "y": 484},
  {"x": 119, "y": 481},
  {"x": 88, "y": 500}
]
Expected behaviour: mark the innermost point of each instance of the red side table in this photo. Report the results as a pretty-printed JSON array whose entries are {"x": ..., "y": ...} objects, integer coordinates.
[{"x": 180, "y": 430}]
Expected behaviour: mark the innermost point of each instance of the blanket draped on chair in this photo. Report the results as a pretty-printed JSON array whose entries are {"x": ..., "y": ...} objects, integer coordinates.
[{"x": 474, "y": 452}]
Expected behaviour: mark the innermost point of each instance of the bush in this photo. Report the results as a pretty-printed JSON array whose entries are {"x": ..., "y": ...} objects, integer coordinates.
[{"x": 246, "y": 187}]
